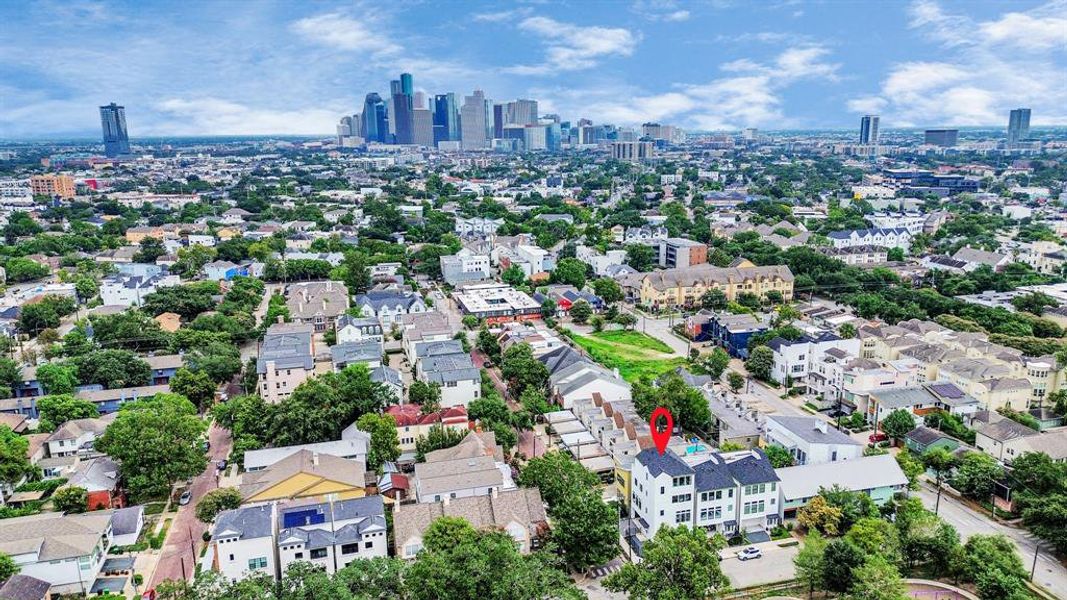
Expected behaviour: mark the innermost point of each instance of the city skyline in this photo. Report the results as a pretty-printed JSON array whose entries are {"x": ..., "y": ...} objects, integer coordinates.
[{"x": 274, "y": 68}]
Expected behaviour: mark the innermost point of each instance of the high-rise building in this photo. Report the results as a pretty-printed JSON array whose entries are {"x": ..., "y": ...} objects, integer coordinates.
[
  {"x": 422, "y": 127},
  {"x": 522, "y": 112},
  {"x": 445, "y": 118},
  {"x": 869, "y": 130},
  {"x": 403, "y": 119},
  {"x": 946, "y": 138},
  {"x": 113, "y": 123},
  {"x": 499, "y": 120},
  {"x": 1018, "y": 125},
  {"x": 535, "y": 137},
  {"x": 344, "y": 129},
  {"x": 420, "y": 99},
  {"x": 473, "y": 121},
  {"x": 407, "y": 84},
  {"x": 631, "y": 151},
  {"x": 375, "y": 120}
]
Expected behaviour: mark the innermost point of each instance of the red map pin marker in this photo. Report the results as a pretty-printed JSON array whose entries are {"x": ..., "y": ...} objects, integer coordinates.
[{"x": 661, "y": 437}]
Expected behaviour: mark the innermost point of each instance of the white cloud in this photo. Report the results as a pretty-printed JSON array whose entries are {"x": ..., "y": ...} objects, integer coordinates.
[
  {"x": 223, "y": 117},
  {"x": 570, "y": 47},
  {"x": 749, "y": 96},
  {"x": 343, "y": 33},
  {"x": 501, "y": 16},
  {"x": 660, "y": 10},
  {"x": 990, "y": 67}
]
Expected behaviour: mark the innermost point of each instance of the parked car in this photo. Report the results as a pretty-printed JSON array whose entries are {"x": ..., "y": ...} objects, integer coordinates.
[
  {"x": 149, "y": 595},
  {"x": 186, "y": 497},
  {"x": 750, "y": 553},
  {"x": 221, "y": 465},
  {"x": 877, "y": 436}
]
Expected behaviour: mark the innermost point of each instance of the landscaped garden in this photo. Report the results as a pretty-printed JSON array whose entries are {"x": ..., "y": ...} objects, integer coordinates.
[{"x": 633, "y": 353}]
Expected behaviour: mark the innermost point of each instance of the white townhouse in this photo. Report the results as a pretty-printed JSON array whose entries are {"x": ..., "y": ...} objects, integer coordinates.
[
  {"x": 897, "y": 237},
  {"x": 796, "y": 359},
  {"x": 330, "y": 535},
  {"x": 729, "y": 493},
  {"x": 67, "y": 551},
  {"x": 242, "y": 542},
  {"x": 477, "y": 226}
]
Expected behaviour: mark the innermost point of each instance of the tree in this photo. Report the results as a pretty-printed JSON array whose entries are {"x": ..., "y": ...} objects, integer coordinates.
[
  {"x": 217, "y": 501},
  {"x": 569, "y": 271},
  {"x": 513, "y": 276},
  {"x": 8, "y": 567},
  {"x": 993, "y": 564},
  {"x": 819, "y": 515},
  {"x": 521, "y": 370},
  {"x": 586, "y": 529},
  {"x": 713, "y": 299},
  {"x": 446, "y": 533},
  {"x": 1047, "y": 518},
  {"x": 55, "y": 410},
  {"x": 898, "y": 423},
  {"x": 735, "y": 380},
  {"x": 557, "y": 475},
  {"x": 877, "y": 579},
  {"x": 548, "y": 308},
  {"x": 112, "y": 369},
  {"x": 489, "y": 410},
  {"x": 71, "y": 499},
  {"x": 912, "y": 466},
  {"x": 875, "y": 535},
  {"x": 23, "y": 269},
  {"x": 608, "y": 290},
  {"x": 384, "y": 442},
  {"x": 488, "y": 344},
  {"x": 156, "y": 442},
  {"x": 687, "y": 404},
  {"x": 840, "y": 559},
  {"x": 197, "y": 386},
  {"x": 854, "y": 505},
  {"x": 14, "y": 458},
  {"x": 426, "y": 395},
  {"x": 809, "y": 562},
  {"x": 437, "y": 438},
  {"x": 975, "y": 475},
  {"x": 640, "y": 257},
  {"x": 941, "y": 462},
  {"x": 57, "y": 378},
  {"x": 151, "y": 249},
  {"x": 779, "y": 456},
  {"x": 188, "y": 300},
  {"x": 626, "y": 320},
  {"x": 717, "y": 362},
  {"x": 378, "y": 577},
  {"x": 597, "y": 323},
  {"x": 535, "y": 402},
  {"x": 581, "y": 311},
  {"x": 847, "y": 331},
  {"x": 760, "y": 362},
  {"x": 678, "y": 563}
]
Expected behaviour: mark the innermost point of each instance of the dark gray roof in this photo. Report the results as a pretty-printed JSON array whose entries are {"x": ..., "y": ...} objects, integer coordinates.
[
  {"x": 752, "y": 469},
  {"x": 126, "y": 520},
  {"x": 356, "y": 352},
  {"x": 450, "y": 367},
  {"x": 668, "y": 463},
  {"x": 713, "y": 475},
  {"x": 386, "y": 375},
  {"x": 288, "y": 346},
  {"x": 924, "y": 435},
  {"x": 377, "y": 299},
  {"x": 439, "y": 348},
  {"x": 805, "y": 429},
  {"x": 247, "y": 522},
  {"x": 560, "y": 358},
  {"x": 24, "y": 587}
]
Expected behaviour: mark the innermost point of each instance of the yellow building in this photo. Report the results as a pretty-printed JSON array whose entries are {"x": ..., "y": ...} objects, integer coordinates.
[
  {"x": 684, "y": 287},
  {"x": 135, "y": 235},
  {"x": 306, "y": 474},
  {"x": 52, "y": 185}
]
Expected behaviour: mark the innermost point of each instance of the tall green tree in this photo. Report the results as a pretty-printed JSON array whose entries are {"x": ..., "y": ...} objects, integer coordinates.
[
  {"x": 678, "y": 563},
  {"x": 586, "y": 529},
  {"x": 384, "y": 442},
  {"x": 760, "y": 362},
  {"x": 156, "y": 442},
  {"x": 809, "y": 563},
  {"x": 14, "y": 459},
  {"x": 877, "y": 579},
  {"x": 197, "y": 386},
  {"x": 53, "y": 411},
  {"x": 975, "y": 475},
  {"x": 898, "y": 423}
]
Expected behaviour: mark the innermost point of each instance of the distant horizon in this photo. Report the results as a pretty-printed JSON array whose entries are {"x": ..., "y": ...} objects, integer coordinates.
[
  {"x": 225, "y": 68},
  {"x": 91, "y": 139}
]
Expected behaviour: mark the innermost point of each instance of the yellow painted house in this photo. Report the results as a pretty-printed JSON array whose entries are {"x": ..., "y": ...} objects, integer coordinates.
[
  {"x": 306, "y": 474},
  {"x": 685, "y": 287}
]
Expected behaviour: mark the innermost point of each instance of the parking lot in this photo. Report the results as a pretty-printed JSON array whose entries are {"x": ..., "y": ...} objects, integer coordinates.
[{"x": 775, "y": 565}]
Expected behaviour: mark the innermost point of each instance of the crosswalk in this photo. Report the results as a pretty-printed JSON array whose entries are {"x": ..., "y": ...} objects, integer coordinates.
[{"x": 608, "y": 569}]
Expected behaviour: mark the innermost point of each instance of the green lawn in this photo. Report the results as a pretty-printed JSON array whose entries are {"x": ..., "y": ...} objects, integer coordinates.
[{"x": 633, "y": 353}]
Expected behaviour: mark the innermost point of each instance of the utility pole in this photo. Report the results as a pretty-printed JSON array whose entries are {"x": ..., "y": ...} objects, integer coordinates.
[{"x": 1033, "y": 569}]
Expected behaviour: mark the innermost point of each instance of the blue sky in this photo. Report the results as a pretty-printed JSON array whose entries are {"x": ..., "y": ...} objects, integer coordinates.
[{"x": 248, "y": 67}]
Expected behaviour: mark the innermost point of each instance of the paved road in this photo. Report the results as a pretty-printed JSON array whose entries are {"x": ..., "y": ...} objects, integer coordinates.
[
  {"x": 181, "y": 549},
  {"x": 1050, "y": 573}
]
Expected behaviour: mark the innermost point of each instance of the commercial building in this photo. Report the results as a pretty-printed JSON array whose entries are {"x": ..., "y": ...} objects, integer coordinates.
[
  {"x": 678, "y": 253},
  {"x": 464, "y": 266},
  {"x": 1018, "y": 125},
  {"x": 869, "y": 130},
  {"x": 496, "y": 303},
  {"x": 113, "y": 124},
  {"x": 946, "y": 138},
  {"x": 632, "y": 151},
  {"x": 445, "y": 118},
  {"x": 474, "y": 121},
  {"x": 51, "y": 185}
]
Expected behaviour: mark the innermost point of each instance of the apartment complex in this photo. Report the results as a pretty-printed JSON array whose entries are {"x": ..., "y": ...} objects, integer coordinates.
[{"x": 684, "y": 287}]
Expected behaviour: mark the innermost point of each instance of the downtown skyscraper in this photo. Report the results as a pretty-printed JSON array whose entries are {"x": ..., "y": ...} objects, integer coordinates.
[
  {"x": 869, "y": 130},
  {"x": 475, "y": 126},
  {"x": 375, "y": 125},
  {"x": 1018, "y": 125},
  {"x": 445, "y": 118},
  {"x": 402, "y": 118},
  {"x": 113, "y": 123}
]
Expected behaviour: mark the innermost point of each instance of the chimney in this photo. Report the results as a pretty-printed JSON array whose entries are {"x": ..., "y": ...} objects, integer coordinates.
[
  {"x": 315, "y": 458},
  {"x": 820, "y": 425},
  {"x": 444, "y": 501},
  {"x": 493, "y": 492}
]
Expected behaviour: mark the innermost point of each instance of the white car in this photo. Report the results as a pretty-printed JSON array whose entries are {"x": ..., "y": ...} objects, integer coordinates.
[{"x": 750, "y": 553}]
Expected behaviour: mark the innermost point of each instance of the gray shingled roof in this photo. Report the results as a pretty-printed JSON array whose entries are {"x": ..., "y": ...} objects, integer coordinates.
[{"x": 805, "y": 429}]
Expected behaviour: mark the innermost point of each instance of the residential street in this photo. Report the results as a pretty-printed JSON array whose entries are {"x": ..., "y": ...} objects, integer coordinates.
[
  {"x": 180, "y": 550},
  {"x": 1050, "y": 573}
]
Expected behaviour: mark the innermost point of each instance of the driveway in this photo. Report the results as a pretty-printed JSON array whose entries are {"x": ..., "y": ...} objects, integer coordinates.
[
  {"x": 776, "y": 565},
  {"x": 181, "y": 549},
  {"x": 1050, "y": 573}
]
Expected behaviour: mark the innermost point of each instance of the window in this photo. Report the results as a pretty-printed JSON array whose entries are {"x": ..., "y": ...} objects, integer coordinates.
[
  {"x": 683, "y": 480},
  {"x": 298, "y": 555},
  {"x": 756, "y": 488},
  {"x": 231, "y": 558},
  {"x": 683, "y": 516},
  {"x": 682, "y": 498},
  {"x": 368, "y": 545},
  {"x": 256, "y": 563},
  {"x": 710, "y": 514},
  {"x": 708, "y": 496},
  {"x": 754, "y": 508},
  {"x": 412, "y": 549},
  {"x": 318, "y": 553}
]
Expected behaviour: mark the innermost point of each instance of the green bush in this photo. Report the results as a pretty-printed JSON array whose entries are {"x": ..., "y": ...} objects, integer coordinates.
[{"x": 46, "y": 485}]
